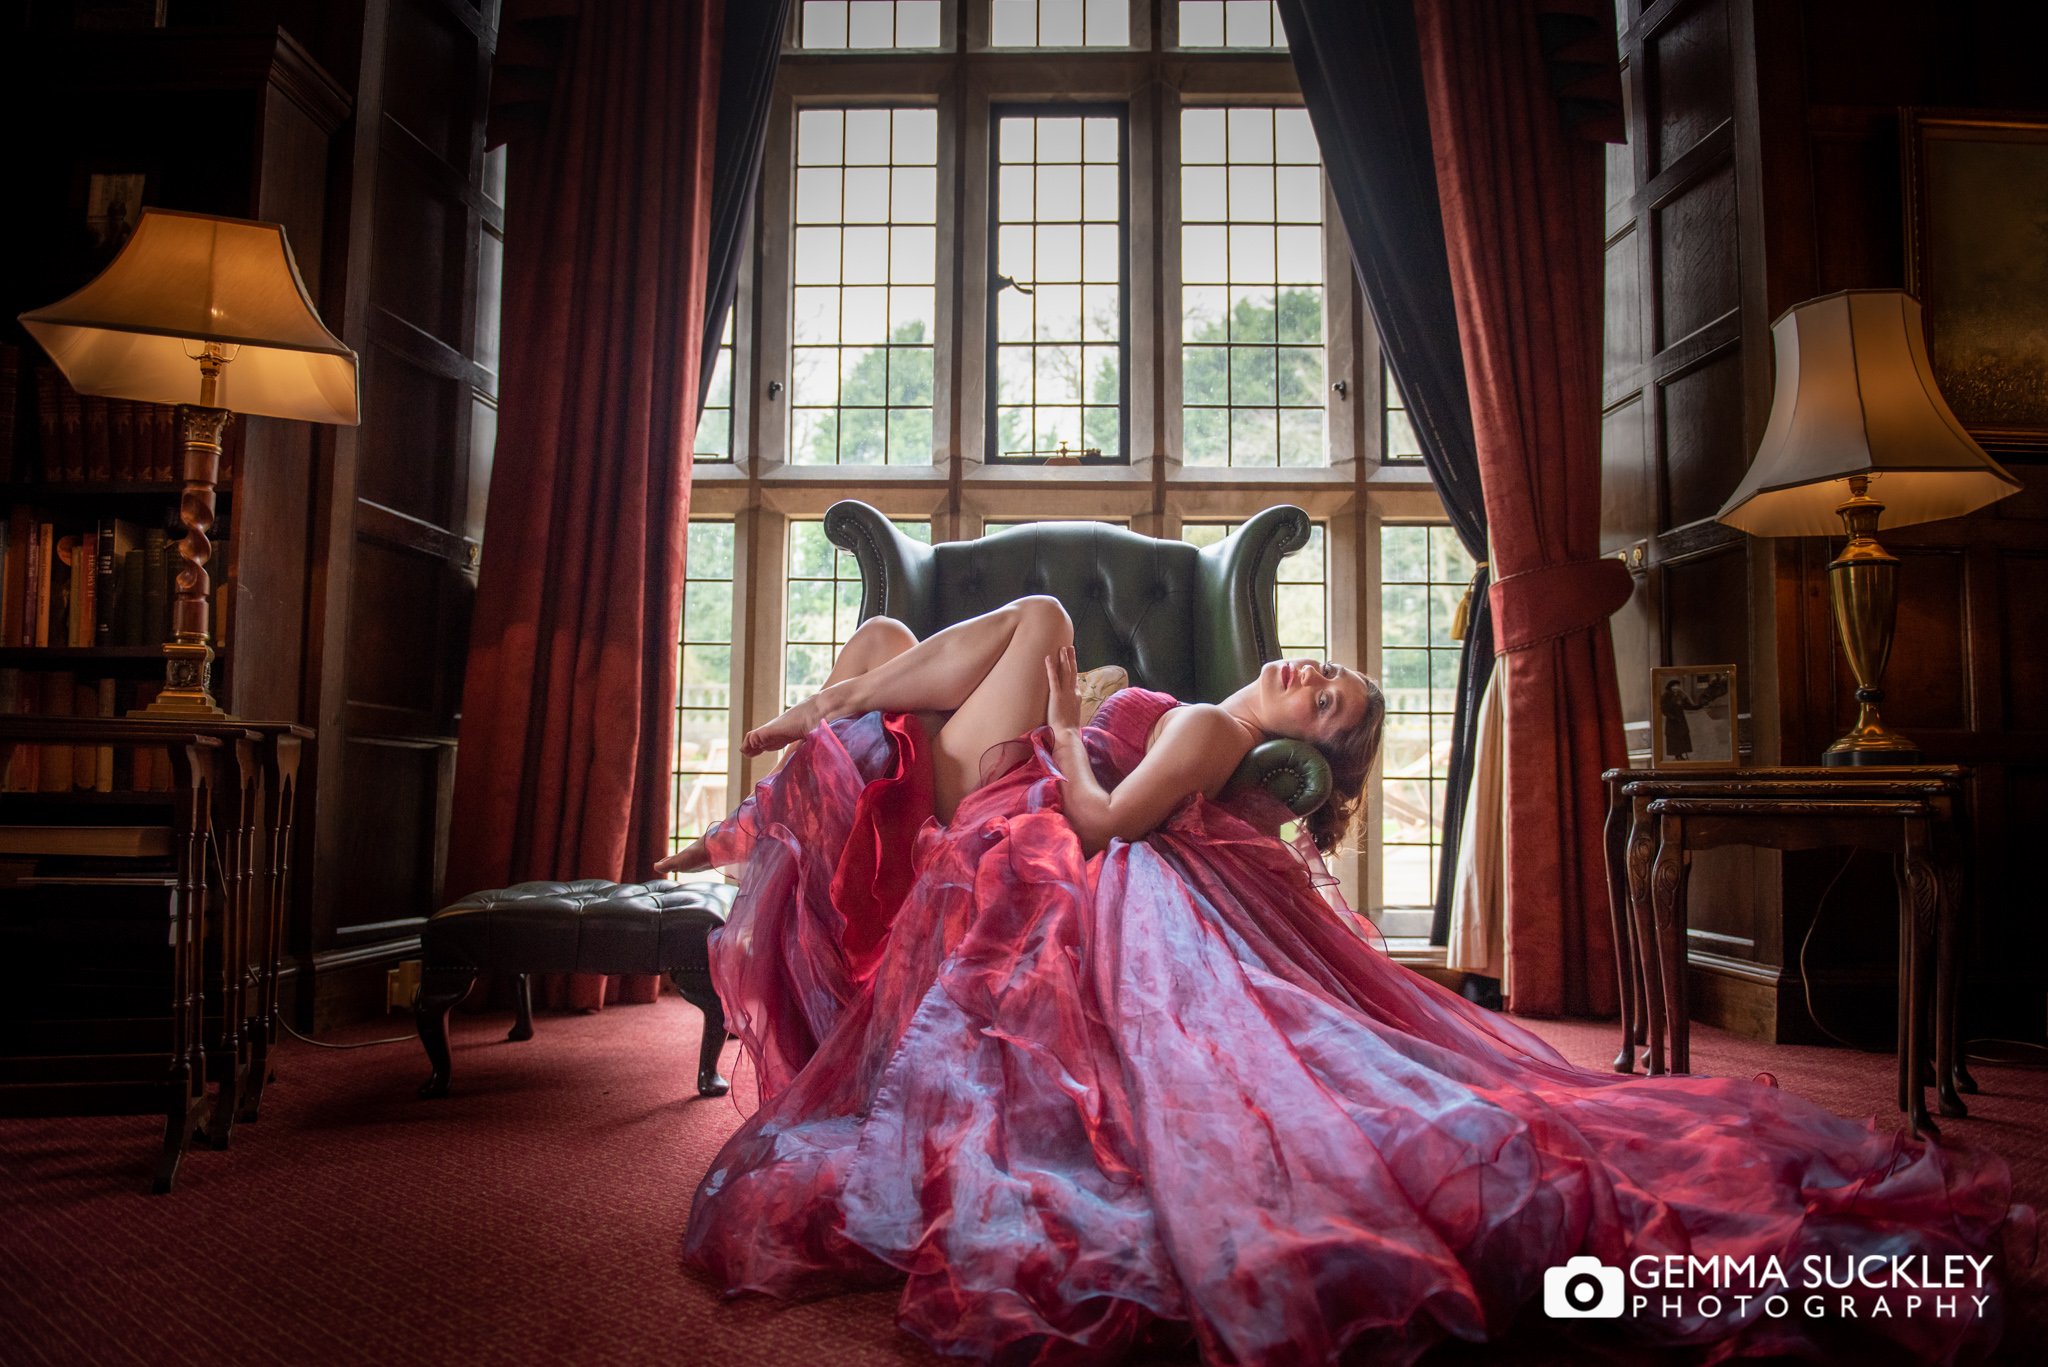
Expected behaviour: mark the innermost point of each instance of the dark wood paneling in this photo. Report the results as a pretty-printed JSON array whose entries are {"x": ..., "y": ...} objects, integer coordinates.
[
  {"x": 1622, "y": 345},
  {"x": 397, "y": 625},
  {"x": 1688, "y": 78},
  {"x": 1628, "y": 500},
  {"x": 2022, "y": 578},
  {"x": 1695, "y": 251},
  {"x": 1924, "y": 687},
  {"x": 405, "y": 460},
  {"x": 421, "y": 278},
  {"x": 1699, "y": 629},
  {"x": 388, "y": 819},
  {"x": 1703, "y": 452},
  {"x": 430, "y": 77}
]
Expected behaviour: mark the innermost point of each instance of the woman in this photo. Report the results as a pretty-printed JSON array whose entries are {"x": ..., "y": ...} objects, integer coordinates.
[{"x": 1091, "y": 1063}]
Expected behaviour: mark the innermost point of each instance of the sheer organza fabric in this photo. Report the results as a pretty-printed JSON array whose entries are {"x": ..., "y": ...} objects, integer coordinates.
[{"x": 1081, "y": 1107}]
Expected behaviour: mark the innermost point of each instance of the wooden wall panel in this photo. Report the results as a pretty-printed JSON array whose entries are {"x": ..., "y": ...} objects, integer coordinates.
[
  {"x": 1695, "y": 251},
  {"x": 388, "y": 841},
  {"x": 421, "y": 214},
  {"x": 401, "y": 462},
  {"x": 2022, "y": 695},
  {"x": 1688, "y": 78},
  {"x": 1701, "y": 439}
]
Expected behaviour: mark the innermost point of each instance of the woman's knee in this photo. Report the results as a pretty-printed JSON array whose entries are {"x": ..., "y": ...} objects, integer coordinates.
[
  {"x": 884, "y": 635},
  {"x": 1044, "y": 618}
]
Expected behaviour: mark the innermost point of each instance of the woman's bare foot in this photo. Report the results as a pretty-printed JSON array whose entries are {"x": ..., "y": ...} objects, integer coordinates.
[
  {"x": 691, "y": 858},
  {"x": 798, "y": 722}
]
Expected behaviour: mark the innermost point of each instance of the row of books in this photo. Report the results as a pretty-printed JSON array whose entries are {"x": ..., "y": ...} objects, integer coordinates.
[
  {"x": 102, "y": 582},
  {"x": 80, "y": 438},
  {"x": 80, "y": 768}
]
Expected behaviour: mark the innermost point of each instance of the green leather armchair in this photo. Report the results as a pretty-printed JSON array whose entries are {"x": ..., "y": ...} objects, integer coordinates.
[{"x": 1194, "y": 622}]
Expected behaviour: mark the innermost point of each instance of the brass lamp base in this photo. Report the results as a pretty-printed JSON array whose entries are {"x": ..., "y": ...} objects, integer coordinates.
[
  {"x": 188, "y": 686},
  {"x": 1863, "y": 584}
]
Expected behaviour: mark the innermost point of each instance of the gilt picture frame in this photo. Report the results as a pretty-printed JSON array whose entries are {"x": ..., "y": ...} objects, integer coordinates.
[
  {"x": 1976, "y": 194},
  {"x": 1695, "y": 722}
]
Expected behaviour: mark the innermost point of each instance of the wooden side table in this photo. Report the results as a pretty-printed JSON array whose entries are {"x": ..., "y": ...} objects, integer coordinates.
[
  {"x": 170, "y": 1080},
  {"x": 1657, "y": 818}
]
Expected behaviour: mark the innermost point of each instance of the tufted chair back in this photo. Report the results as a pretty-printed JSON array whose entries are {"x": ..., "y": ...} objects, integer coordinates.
[{"x": 1193, "y": 622}]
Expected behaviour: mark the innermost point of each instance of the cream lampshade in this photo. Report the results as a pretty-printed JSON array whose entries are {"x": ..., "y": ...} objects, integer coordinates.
[
  {"x": 208, "y": 313},
  {"x": 1856, "y": 415}
]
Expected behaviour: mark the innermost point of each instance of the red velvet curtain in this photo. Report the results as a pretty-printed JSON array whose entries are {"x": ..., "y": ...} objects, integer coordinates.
[
  {"x": 1522, "y": 221},
  {"x": 567, "y": 709}
]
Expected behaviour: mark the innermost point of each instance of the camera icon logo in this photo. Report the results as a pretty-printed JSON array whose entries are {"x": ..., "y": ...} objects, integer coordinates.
[{"x": 1583, "y": 1289}]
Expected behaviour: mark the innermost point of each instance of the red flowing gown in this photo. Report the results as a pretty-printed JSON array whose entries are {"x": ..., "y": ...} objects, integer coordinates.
[{"x": 1080, "y": 1106}]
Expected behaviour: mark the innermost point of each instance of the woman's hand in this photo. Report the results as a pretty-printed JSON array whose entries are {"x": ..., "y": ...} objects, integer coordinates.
[
  {"x": 691, "y": 858},
  {"x": 1062, "y": 692}
]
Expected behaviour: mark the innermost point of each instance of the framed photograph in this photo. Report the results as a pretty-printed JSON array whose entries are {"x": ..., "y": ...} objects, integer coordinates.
[
  {"x": 1695, "y": 722},
  {"x": 1976, "y": 197}
]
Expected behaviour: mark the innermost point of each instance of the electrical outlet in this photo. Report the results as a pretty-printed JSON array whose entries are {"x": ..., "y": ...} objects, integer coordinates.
[{"x": 400, "y": 984}]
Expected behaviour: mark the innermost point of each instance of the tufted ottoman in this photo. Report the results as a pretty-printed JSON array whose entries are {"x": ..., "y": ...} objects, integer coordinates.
[{"x": 589, "y": 926}]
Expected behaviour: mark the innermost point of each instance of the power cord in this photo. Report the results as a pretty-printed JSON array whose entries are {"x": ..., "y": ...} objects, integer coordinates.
[{"x": 2030, "y": 1054}]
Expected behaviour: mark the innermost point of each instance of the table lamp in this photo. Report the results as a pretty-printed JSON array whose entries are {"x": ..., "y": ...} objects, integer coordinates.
[
  {"x": 209, "y": 314},
  {"x": 1859, "y": 432}
]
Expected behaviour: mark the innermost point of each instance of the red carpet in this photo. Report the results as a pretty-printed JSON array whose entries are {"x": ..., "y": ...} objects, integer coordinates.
[{"x": 535, "y": 1215}]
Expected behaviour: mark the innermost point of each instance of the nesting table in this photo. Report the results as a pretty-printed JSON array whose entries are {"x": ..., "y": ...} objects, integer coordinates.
[
  {"x": 1918, "y": 814},
  {"x": 203, "y": 1064}
]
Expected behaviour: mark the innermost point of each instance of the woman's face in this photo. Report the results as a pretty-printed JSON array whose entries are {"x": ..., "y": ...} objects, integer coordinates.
[{"x": 1312, "y": 700}]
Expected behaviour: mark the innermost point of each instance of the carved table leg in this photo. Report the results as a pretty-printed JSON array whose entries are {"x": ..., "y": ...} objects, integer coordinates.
[
  {"x": 1649, "y": 977},
  {"x": 522, "y": 1001},
  {"x": 1918, "y": 895},
  {"x": 1616, "y": 839},
  {"x": 440, "y": 989},
  {"x": 710, "y": 1082},
  {"x": 1667, "y": 900},
  {"x": 1948, "y": 915}
]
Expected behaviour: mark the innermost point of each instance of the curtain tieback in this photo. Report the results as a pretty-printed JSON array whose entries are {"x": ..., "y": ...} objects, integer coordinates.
[
  {"x": 1461, "y": 620},
  {"x": 1540, "y": 605}
]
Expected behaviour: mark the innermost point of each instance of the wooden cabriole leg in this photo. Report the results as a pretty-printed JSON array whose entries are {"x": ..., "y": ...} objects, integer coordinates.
[
  {"x": 440, "y": 989},
  {"x": 1649, "y": 970},
  {"x": 1667, "y": 899},
  {"x": 522, "y": 1002},
  {"x": 1918, "y": 898},
  {"x": 710, "y": 1082},
  {"x": 1616, "y": 839}
]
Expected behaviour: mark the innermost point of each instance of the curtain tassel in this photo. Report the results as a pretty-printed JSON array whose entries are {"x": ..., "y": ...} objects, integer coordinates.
[{"x": 1461, "y": 620}]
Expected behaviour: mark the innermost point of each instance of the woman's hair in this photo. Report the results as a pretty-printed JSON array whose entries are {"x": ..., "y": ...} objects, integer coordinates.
[{"x": 1350, "y": 757}]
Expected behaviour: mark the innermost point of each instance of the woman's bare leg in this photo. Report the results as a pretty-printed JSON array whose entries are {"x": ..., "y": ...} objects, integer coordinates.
[
  {"x": 873, "y": 641},
  {"x": 935, "y": 675},
  {"x": 1008, "y": 700}
]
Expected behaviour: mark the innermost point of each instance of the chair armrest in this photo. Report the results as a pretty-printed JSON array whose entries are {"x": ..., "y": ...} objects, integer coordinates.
[
  {"x": 1292, "y": 772},
  {"x": 895, "y": 572}
]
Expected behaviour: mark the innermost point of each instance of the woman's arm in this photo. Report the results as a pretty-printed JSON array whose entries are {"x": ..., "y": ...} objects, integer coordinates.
[{"x": 1196, "y": 751}]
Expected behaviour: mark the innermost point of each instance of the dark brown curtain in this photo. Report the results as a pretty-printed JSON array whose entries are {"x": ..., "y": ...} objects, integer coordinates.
[
  {"x": 567, "y": 718},
  {"x": 1362, "y": 82},
  {"x": 1521, "y": 199}
]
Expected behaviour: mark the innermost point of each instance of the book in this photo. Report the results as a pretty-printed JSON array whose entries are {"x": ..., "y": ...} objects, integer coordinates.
[
  {"x": 156, "y": 605},
  {"x": 47, "y": 426},
  {"x": 18, "y": 776},
  {"x": 101, "y": 842},
  {"x": 46, "y": 556},
  {"x": 134, "y": 629},
  {"x": 60, "y": 690},
  {"x": 65, "y": 584},
  {"x": 13, "y": 564},
  {"x": 99, "y": 455},
  {"x": 103, "y": 769},
  {"x": 10, "y": 411},
  {"x": 114, "y": 537},
  {"x": 70, "y": 433},
  {"x": 121, "y": 440},
  {"x": 85, "y": 759}
]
